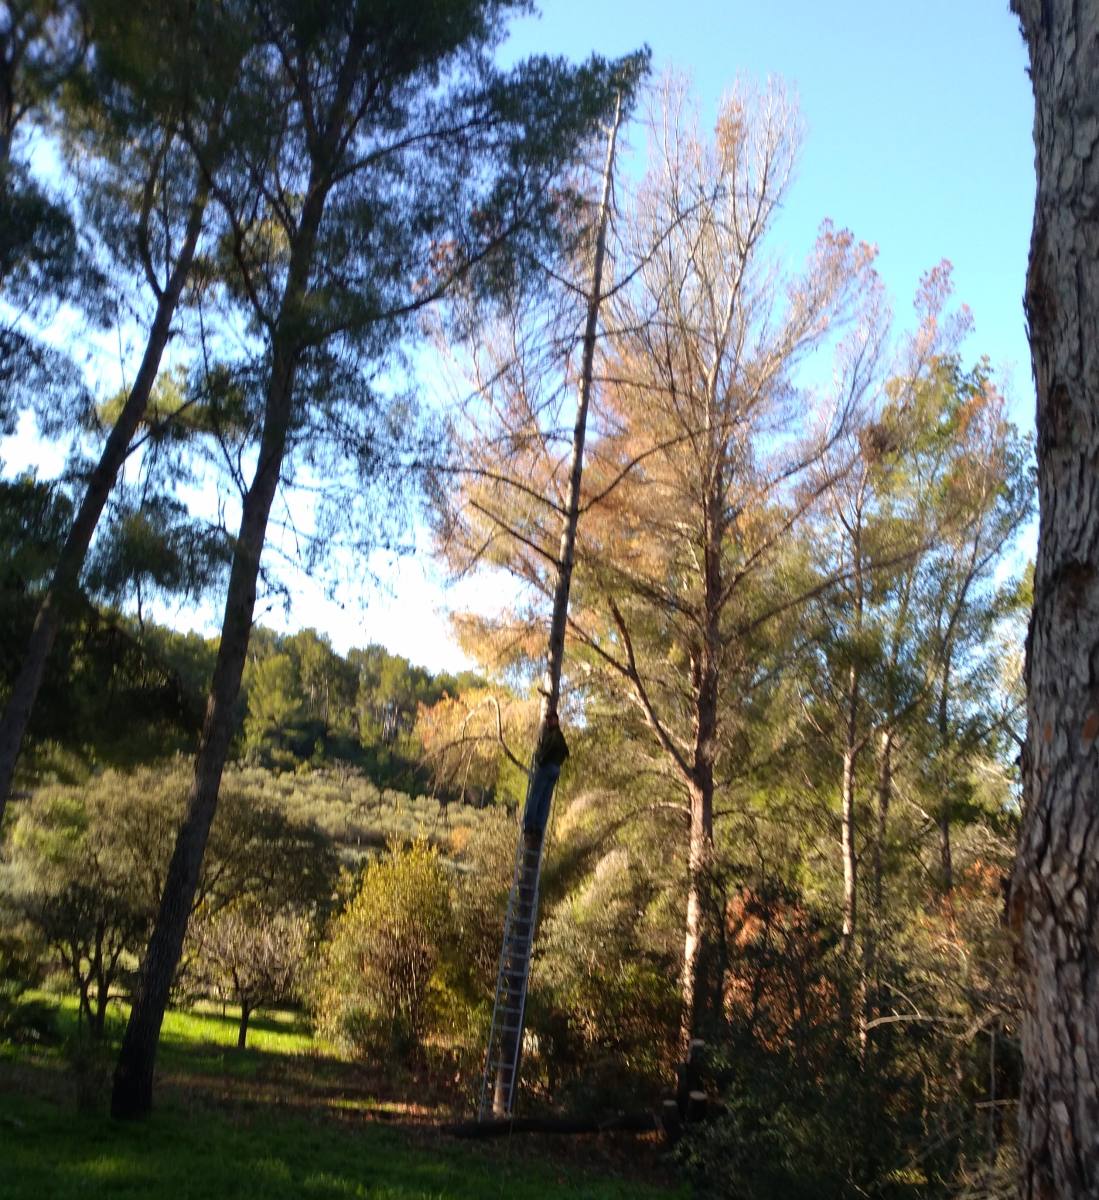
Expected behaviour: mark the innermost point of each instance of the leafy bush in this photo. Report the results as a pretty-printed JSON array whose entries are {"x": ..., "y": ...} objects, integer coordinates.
[
  {"x": 788, "y": 1135},
  {"x": 389, "y": 955},
  {"x": 22, "y": 1021},
  {"x": 605, "y": 1003},
  {"x": 85, "y": 866}
]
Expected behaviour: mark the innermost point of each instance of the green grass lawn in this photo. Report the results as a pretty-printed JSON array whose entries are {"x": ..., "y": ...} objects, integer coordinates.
[
  {"x": 282, "y": 1119},
  {"x": 49, "y": 1152}
]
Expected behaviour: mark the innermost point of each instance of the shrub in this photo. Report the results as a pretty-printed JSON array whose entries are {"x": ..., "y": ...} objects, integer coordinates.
[
  {"x": 788, "y": 1135},
  {"x": 604, "y": 1002},
  {"x": 387, "y": 962}
]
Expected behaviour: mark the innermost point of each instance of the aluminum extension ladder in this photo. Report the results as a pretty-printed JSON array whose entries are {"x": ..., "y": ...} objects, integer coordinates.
[{"x": 505, "y": 1040}]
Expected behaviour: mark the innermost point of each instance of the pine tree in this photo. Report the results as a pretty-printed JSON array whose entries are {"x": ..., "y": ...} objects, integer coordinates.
[{"x": 398, "y": 160}]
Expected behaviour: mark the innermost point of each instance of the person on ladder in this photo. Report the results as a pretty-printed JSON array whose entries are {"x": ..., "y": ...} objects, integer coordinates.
[{"x": 551, "y": 752}]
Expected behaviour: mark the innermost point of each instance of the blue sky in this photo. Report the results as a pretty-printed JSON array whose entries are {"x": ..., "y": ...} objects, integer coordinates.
[
  {"x": 918, "y": 128},
  {"x": 917, "y": 138}
]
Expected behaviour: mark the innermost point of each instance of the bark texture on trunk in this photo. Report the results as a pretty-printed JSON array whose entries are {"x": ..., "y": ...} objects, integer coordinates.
[
  {"x": 133, "y": 1080},
  {"x": 1054, "y": 903},
  {"x": 62, "y": 590},
  {"x": 700, "y": 942}
]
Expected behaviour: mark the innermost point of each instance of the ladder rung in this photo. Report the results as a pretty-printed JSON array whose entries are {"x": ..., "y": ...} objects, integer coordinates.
[{"x": 513, "y": 974}]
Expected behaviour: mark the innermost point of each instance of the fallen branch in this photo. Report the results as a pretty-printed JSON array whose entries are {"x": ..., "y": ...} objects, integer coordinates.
[{"x": 643, "y": 1122}]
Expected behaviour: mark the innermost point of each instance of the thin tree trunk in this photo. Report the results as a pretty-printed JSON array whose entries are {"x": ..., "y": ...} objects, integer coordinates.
[
  {"x": 1054, "y": 903},
  {"x": 885, "y": 798},
  {"x": 555, "y": 652},
  {"x": 700, "y": 933},
  {"x": 60, "y": 595},
  {"x": 946, "y": 859},
  {"x": 854, "y": 1002},
  {"x": 555, "y": 649},
  {"x": 847, "y": 811},
  {"x": 133, "y": 1080},
  {"x": 102, "y": 999},
  {"x": 872, "y": 927},
  {"x": 852, "y": 745},
  {"x": 697, "y": 984},
  {"x": 242, "y": 1029}
]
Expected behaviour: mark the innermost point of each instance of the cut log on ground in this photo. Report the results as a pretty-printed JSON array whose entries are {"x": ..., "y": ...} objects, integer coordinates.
[{"x": 643, "y": 1122}]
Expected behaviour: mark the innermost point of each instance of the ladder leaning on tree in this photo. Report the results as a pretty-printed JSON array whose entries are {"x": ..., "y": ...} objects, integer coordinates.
[
  {"x": 506, "y": 1035},
  {"x": 512, "y": 977}
]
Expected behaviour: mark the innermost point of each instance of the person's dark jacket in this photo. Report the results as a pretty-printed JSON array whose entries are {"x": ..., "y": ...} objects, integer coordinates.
[{"x": 552, "y": 747}]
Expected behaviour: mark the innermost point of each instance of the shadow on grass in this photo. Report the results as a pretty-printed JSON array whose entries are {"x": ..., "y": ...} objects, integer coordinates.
[
  {"x": 214, "y": 1154},
  {"x": 273, "y": 1123}
]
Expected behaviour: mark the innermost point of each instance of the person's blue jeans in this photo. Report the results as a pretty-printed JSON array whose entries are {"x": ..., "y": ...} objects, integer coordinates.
[{"x": 536, "y": 813}]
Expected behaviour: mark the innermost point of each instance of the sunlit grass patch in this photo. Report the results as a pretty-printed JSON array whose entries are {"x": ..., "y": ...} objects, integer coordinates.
[{"x": 211, "y": 1154}]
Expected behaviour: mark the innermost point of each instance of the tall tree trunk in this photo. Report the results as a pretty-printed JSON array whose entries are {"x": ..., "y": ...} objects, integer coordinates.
[
  {"x": 60, "y": 595},
  {"x": 700, "y": 932},
  {"x": 1054, "y": 903},
  {"x": 242, "y": 1028},
  {"x": 847, "y": 811},
  {"x": 946, "y": 858},
  {"x": 852, "y": 742},
  {"x": 885, "y": 799},
  {"x": 99, "y": 1023},
  {"x": 555, "y": 650},
  {"x": 872, "y": 927},
  {"x": 133, "y": 1080},
  {"x": 854, "y": 998},
  {"x": 555, "y": 647}
]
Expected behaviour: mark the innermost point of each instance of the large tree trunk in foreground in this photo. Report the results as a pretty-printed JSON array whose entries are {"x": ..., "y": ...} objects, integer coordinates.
[
  {"x": 1055, "y": 891},
  {"x": 60, "y": 595},
  {"x": 133, "y": 1080}
]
